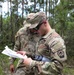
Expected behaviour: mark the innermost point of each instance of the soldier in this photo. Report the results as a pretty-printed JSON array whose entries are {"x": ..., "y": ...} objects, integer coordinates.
[
  {"x": 51, "y": 50},
  {"x": 25, "y": 40}
]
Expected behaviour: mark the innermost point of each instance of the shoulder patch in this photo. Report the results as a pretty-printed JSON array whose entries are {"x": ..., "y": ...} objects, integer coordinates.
[{"x": 60, "y": 53}]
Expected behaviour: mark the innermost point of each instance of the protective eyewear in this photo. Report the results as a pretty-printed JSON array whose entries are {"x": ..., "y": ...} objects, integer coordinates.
[{"x": 39, "y": 25}]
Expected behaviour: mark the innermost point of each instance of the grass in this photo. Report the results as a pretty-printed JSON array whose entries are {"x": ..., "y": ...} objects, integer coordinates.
[{"x": 68, "y": 70}]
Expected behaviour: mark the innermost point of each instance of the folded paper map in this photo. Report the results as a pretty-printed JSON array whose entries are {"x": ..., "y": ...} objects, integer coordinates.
[{"x": 7, "y": 51}]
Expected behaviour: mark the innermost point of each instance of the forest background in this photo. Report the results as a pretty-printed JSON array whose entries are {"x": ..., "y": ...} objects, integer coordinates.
[{"x": 60, "y": 14}]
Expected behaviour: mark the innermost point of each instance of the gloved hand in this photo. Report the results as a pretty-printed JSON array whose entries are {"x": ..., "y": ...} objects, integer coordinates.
[
  {"x": 22, "y": 52},
  {"x": 11, "y": 68}
]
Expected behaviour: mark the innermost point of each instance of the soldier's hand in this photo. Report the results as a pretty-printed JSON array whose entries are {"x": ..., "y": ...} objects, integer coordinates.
[
  {"x": 27, "y": 61},
  {"x": 11, "y": 68},
  {"x": 22, "y": 52}
]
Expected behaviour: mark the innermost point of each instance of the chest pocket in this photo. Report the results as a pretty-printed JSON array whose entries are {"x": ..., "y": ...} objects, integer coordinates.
[{"x": 43, "y": 48}]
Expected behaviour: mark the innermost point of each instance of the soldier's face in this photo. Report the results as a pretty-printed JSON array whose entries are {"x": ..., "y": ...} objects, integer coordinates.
[{"x": 41, "y": 28}]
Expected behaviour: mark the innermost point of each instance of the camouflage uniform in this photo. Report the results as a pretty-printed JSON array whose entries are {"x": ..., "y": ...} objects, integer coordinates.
[
  {"x": 51, "y": 46},
  {"x": 25, "y": 41}
]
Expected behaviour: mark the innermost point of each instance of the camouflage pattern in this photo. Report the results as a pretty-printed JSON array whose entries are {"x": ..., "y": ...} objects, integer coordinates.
[
  {"x": 36, "y": 19},
  {"x": 24, "y": 71},
  {"x": 25, "y": 41},
  {"x": 26, "y": 25},
  {"x": 51, "y": 46}
]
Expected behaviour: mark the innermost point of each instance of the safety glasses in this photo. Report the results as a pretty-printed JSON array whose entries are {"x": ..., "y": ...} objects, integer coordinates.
[{"x": 39, "y": 25}]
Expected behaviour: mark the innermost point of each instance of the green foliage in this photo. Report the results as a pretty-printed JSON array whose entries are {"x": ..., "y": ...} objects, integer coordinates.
[
  {"x": 64, "y": 24},
  {"x": 9, "y": 29},
  {"x": 68, "y": 71},
  {"x": 61, "y": 18}
]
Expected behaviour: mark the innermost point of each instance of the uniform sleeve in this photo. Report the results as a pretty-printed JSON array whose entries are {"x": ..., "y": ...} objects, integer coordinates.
[
  {"x": 58, "y": 49},
  {"x": 17, "y": 43},
  {"x": 46, "y": 68},
  {"x": 16, "y": 48}
]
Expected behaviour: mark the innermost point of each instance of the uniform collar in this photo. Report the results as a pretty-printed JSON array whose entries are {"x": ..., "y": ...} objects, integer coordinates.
[{"x": 49, "y": 33}]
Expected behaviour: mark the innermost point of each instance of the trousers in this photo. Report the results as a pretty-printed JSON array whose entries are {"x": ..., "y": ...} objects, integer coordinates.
[{"x": 24, "y": 71}]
